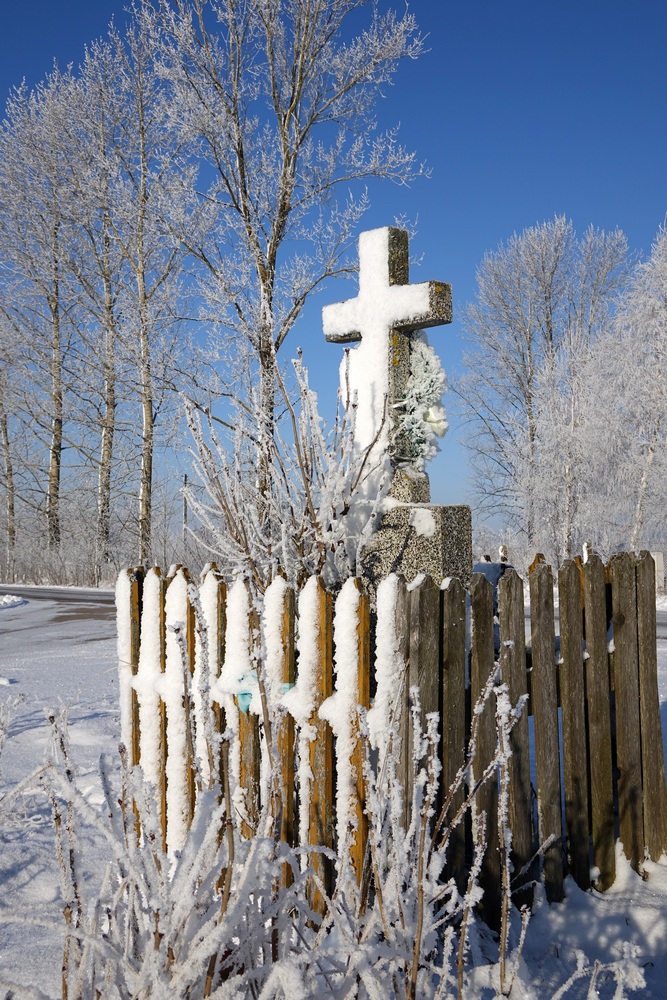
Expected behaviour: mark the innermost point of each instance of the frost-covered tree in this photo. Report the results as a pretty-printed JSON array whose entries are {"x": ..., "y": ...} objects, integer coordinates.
[
  {"x": 39, "y": 303},
  {"x": 543, "y": 299},
  {"x": 629, "y": 418},
  {"x": 277, "y": 98}
]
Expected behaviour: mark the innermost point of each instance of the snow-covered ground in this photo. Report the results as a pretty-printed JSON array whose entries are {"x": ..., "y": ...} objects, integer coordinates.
[{"x": 55, "y": 656}]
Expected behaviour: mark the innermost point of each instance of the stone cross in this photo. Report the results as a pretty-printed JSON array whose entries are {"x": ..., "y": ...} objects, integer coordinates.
[{"x": 381, "y": 317}]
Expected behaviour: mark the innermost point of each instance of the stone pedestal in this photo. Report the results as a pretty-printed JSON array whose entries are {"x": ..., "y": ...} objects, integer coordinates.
[{"x": 415, "y": 536}]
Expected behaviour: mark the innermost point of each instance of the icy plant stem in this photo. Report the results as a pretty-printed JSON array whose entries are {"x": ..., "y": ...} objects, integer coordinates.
[
  {"x": 472, "y": 880},
  {"x": 422, "y": 857},
  {"x": 504, "y": 846}
]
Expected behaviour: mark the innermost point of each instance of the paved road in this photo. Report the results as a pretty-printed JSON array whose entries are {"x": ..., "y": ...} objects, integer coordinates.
[
  {"x": 68, "y": 595},
  {"x": 67, "y": 604}
]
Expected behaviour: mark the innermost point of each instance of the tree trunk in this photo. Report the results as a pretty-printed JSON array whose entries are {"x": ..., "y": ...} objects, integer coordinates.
[
  {"x": 145, "y": 375},
  {"x": 56, "y": 445},
  {"x": 9, "y": 495},
  {"x": 642, "y": 489},
  {"x": 108, "y": 426},
  {"x": 148, "y": 435}
]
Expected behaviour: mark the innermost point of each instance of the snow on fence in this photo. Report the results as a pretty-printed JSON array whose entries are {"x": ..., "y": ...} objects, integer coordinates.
[{"x": 586, "y": 769}]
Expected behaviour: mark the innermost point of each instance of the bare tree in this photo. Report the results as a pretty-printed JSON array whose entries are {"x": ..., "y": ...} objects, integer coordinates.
[
  {"x": 38, "y": 301},
  {"x": 630, "y": 389},
  {"x": 152, "y": 179},
  {"x": 542, "y": 300},
  {"x": 278, "y": 101}
]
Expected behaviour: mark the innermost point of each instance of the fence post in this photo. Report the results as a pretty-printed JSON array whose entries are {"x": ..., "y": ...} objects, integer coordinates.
[
  {"x": 544, "y": 703},
  {"x": 424, "y": 615},
  {"x": 455, "y": 718},
  {"x": 249, "y": 739},
  {"x": 285, "y": 729},
  {"x": 626, "y": 689},
  {"x": 513, "y": 673},
  {"x": 572, "y": 699},
  {"x": 180, "y": 764},
  {"x": 599, "y": 722},
  {"x": 482, "y": 665},
  {"x": 152, "y": 718},
  {"x": 162, "y": 707},
  {"x": 358, "y": 847},
  {"x": 213, "y": 597},
  {"x": 653, "y": 761},
  {"x": 320, "y": 818},
  {"x": 405, "y": 735}
]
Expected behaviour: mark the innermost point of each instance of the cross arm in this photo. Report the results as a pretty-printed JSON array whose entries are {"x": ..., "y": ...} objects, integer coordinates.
[
  {"x": 439, "y": 309},
  {"x": 341, "y": 322}
]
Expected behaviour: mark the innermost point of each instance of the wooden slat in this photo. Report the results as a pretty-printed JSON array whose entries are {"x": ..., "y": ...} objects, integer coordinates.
[
  {"x": 486, "y": 802},
  {"x": 572, "y": 694},
  {"x": 599, "y": 723},
  {"x": 653, "y": 761},
  {"x": 405, "y": 734},
  {"x": 424, "y": 613},
  {"x": 188, "y": 701},
  {"x": 455, "y": 722},
  {"x": 162, "y": 709},
  {"x": 360, "y": 836},
  {"x": 217, "y": 660},
  {"x": 216, "y": 654},
  {"x": 136, "y": 586},
  {"x": 626, "y": 688},
  {"x": 320, "y": 823},
  {"x": 250, "y": 769},
  {"x": 285, "y": 734},
  {"x": 250, "y": 746},
  {"x": 544, "y": 705},
  {"x": 513, "y": 673}
]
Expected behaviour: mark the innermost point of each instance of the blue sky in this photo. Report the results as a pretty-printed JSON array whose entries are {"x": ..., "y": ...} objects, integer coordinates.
[{"x": 521, "y": 109}]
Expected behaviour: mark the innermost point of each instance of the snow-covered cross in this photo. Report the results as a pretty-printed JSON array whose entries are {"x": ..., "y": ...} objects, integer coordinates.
[{"x": 381, "y": 317}]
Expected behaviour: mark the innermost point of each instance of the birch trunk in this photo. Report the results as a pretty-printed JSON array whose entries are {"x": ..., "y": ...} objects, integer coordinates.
[
  {"x": 9, "y": 494},
  {"x": 56, "y": 375},
  {"x": 145, "y": 376},
  {"x": 109, "y": 417},
  {"x": 642, "y": 490}
]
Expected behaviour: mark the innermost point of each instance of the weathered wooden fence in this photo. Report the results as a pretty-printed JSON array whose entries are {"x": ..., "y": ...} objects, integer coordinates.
[{"x": 587, "y": 765}]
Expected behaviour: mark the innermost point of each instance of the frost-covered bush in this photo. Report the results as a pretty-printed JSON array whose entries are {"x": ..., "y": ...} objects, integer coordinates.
[
  {"x": 308, "y": 515},
  {"x": 420, "y": 418},
  {"x": 229, "y": 917}
]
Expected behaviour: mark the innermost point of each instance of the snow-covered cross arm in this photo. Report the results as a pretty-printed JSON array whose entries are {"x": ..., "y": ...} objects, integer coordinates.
[{"x": 385, "y": 311}]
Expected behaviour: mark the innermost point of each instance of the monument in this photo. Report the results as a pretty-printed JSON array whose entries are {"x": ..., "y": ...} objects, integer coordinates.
[{"x": 414, "y": 536}]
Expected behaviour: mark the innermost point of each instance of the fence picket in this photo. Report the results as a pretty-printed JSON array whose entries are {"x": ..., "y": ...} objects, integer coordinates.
[
  {"x": 626, "y": 689},
  {"x": 162, "y": 707},
  {"x": 320, "y": 817},
  {"x": 285, "y": 730},
  {"x": 513, "y": 673},
  {"x": 572, "y": 697},
  {"x": 180, "y": 765},
  {"x": 136, "y": 590},
  {"x": 424, "y": 611},
  {"x": 653, "y": 761},
  {"x": 455, "y": 717},
  {"x": 544, "y": 699},
  {"x": 249, "y": 741},
  {"x": 405, "y": 734},
  {"x": 217, "y": 638},
  {"x": 482, "y": 665},
  {"x": 599, "y": 722}
]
